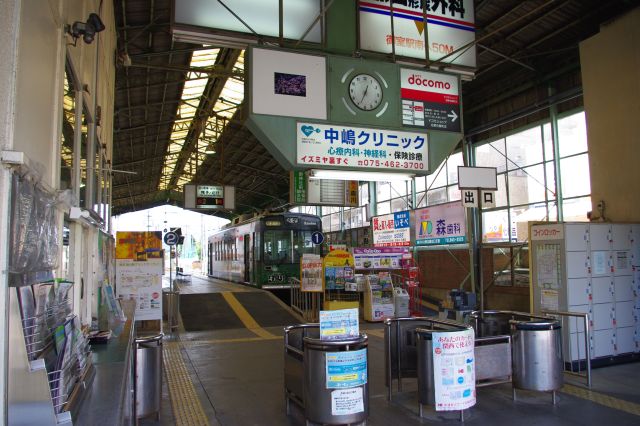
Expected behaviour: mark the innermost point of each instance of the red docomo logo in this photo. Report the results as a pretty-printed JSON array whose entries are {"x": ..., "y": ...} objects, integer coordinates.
[
  {"x": 438, "y": 351},
  {"x": 427, "y": 82},
  {"x": 417, "y": 108}
]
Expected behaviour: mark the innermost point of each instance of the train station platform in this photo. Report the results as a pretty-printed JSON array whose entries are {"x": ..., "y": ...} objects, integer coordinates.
[{"x": 224, "y": 366}]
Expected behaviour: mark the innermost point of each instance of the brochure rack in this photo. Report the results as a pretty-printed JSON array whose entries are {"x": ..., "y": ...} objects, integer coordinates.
[
  {"x": 339, "y": 281},
  {"x": 55, "y": 353},
  {"x": 378, "y": 297}
]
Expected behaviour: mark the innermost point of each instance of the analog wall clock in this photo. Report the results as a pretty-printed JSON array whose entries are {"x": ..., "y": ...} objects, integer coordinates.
[{"x": 365, "y": 92}]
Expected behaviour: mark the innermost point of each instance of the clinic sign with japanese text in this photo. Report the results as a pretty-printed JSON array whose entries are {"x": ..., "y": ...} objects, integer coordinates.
[
  {"x": 345, "y": 147},
  {"x": 391, "y": 230},
  {"x": 441, "y": 224}
]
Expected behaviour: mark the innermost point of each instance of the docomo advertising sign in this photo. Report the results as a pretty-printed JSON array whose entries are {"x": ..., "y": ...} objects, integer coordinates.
[
  {"x": 430, "y": 100},
  {"x": 391, "y": 230},
  {"x": 450, "y": 26},
  {"x": 345, "y": 147}
]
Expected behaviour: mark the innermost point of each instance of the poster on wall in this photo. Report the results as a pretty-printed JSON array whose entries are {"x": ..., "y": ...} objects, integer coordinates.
[
  {"x": 141, "y": 282},
  {"x": 441, "y": 224},
  {"x": 451, "y": 26},
  {"x": 454, "y": 370},
  {"x": 139, "y": 245},
  {"x": 379, "y": 257},
  {"x": 311, "y": 270},
  {"x": 391, "y": 230}
]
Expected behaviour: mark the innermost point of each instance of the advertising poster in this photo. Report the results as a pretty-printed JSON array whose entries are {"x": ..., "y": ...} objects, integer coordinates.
[
  {"x": 380, "y": 258},
  {"x": 142, "y": 282},
  {"x": 339, "y": 324},
  {"x": 346, "y": 369},
  {"x": 339, "y": 146},
  {"x": 454, "y": 370},
  {"x": 442, "y": 224},
  {"x": 391, "y": 230},
  {"x": 347, "y": 401},
  {"x": 139, "y": 246},
  {"x": 450, "y": 26},
  {"x": 311, "y": 270},
  {"x": 430, "y": 100}
]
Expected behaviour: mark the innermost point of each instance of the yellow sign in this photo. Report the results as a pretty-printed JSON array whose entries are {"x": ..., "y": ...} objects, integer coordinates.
[{"x": 140, "y": 246}]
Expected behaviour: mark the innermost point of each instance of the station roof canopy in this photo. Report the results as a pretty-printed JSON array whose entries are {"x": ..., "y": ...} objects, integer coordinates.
[{"x": 178, "y": 106}]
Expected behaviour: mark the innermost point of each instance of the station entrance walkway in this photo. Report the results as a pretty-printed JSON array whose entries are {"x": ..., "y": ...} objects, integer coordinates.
[{"x": 224, "y": 366}]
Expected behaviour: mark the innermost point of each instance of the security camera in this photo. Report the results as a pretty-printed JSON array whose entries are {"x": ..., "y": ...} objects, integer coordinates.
[{"x": 87, "y": 29}]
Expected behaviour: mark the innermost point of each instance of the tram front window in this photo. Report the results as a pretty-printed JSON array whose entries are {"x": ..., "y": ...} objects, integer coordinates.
[
  {"x": 302, "y": 243},
  {"x": 277, "y": 247}
]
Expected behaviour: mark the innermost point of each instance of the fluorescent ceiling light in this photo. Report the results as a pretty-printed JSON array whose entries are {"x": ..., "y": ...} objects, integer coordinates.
[{"x": 354, "y": 175}]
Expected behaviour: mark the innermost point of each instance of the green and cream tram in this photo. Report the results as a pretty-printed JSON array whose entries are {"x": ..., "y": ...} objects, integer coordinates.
[{"x": 263, "y": 251}]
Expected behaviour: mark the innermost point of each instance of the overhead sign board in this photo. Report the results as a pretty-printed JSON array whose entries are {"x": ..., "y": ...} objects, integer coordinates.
[
  {"x": 344, "y": 147},
  {"x": 209, "y": 197},
  {"x": 199, "y": 19},
  {"x": 450, "y": 26},
  {"x": 288, "y": 84},
  {"x": 477, "y": 178},
  {"x": 441, "y": 224},
  {"x": 430, "y": 100},
  {"x": 391, "y": 230}
]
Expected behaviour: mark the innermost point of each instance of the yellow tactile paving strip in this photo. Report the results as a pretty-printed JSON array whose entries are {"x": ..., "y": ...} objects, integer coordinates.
[
  {"x": 245, "y": 317},
  {"x": 602, "y": 399},
  {"x": 187, "y": 410}
]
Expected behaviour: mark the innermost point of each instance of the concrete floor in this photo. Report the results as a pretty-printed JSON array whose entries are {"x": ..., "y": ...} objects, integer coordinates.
[{"x": 238, "y": 379}]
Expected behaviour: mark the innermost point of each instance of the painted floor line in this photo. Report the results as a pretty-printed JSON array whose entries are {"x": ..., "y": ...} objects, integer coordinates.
[
  {"x": 187, "y": 410},
  {"x": 602, "y": 399},
  {"x": 245, "y": 317}
]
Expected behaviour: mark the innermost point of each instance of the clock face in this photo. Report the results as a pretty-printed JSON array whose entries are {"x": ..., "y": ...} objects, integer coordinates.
[{"x": 365, "y": 92}]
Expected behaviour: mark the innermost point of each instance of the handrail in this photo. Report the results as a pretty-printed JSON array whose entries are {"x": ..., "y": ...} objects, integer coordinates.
[
  {"x": 149, "y": 339},
  {"x": 587, "y": 347},
  {"x": 289, "y": 329}
]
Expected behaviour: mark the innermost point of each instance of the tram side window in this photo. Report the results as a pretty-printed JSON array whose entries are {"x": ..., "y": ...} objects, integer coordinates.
[{"x": 277, "y": 247}]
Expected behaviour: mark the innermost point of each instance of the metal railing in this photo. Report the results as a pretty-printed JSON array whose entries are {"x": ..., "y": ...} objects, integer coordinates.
[
  {"x": 571, "y": 366},
  {"x": 574, "y": 366},
  {"x": 293, "y": 362},
  {"x": 307, "y": 304}
]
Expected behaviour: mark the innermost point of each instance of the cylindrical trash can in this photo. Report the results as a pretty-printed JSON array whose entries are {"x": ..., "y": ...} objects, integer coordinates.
[
  {"x": 336, "y": 389},
  {"x": 171, "y": 307},
  {"x": 148, "y": 380},
  {"x": 426, "y": 385},
  {"x": 537, "y": 356}
]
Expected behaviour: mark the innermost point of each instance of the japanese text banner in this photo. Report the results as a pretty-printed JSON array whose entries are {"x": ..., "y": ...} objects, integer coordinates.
[{"x": 339, "y": 146}]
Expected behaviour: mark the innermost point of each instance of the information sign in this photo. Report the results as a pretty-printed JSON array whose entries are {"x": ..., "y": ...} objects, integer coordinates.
[
  {"x": 171, "y": 238},
  {"x": 339, "y": 324},
  {"x": 430, "y": 100},
  {"x": 454, "y": 370},
  {"x": 311, "y": 271},
  {"x": 141, "y": 282},
  {"x": 391, "y": 230},
  {"x": 441, "y": 224},
  {"x": 317, "y": 237},
  {"x": 379, "y": 257},
  {"x": 346, "y": 369},
  {"x": 347, "y": 401},
  {"x": 338, "y": 146}
]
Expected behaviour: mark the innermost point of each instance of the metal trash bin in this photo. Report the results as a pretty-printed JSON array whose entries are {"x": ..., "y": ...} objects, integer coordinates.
[
  {"x": 171, "y": 307},
  {"x": 333, "y": 404},
  {"x": 148, "y": 379},
  {"x": 537, "y": 356}
]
